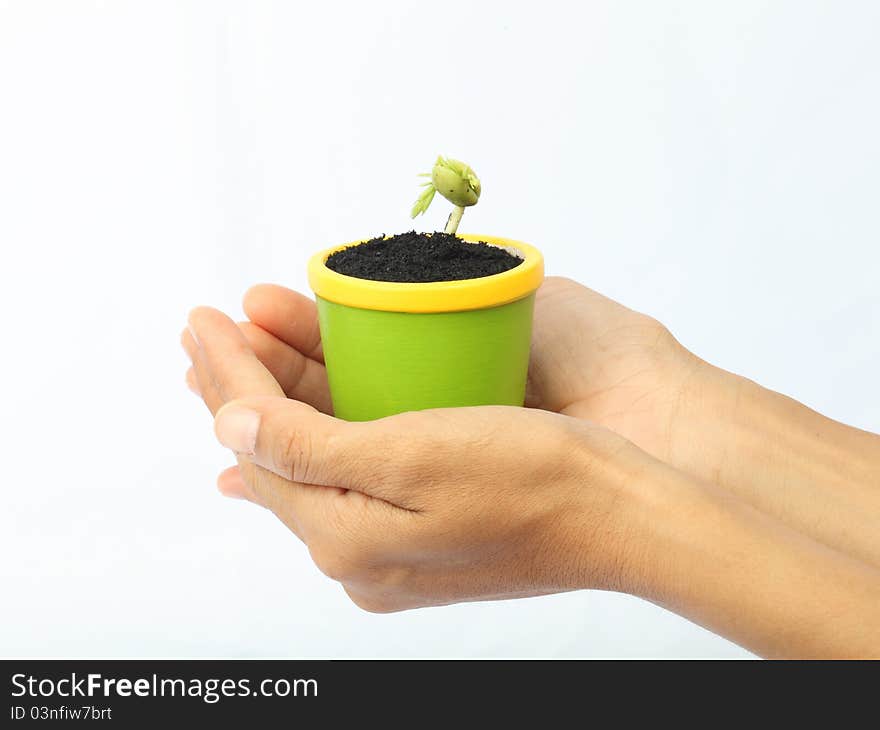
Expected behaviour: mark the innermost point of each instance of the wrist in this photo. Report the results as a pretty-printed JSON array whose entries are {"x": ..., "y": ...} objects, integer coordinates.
[
  {"x": 737, "y": 571},
  {"x": 644, "y": 528},
  {"x": 711, "y": 421},
  {"x": 811, "y": 473},
  {"x": 607, "y": 531}
]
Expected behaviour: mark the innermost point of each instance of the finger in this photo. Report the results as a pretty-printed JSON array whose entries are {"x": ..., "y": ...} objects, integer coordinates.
[
  {"x": 308, "y": 511},
  {"x": 298, "y": 443},
  {"x": 236, "y": 482},
  {"x": 301, "y": 508},
  {"x": 299, "y": 376},
  {"x": 206, "y": 388},
  {"x": 292, "y": 502},
  {"x": 290, "y": 316},
  {"x": 305, "y": 509},
  {"x": 230, "y": 483},
  {"x": 226, "y": 358},
  {"x": 192, "y": 382}
]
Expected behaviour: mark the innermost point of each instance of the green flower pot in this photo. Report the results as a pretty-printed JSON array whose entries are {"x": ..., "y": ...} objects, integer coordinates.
[{"x": 392, "y": 347}]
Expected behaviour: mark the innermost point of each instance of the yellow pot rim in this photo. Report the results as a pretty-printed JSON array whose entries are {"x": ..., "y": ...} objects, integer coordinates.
[{"x": 436, "y": 296}]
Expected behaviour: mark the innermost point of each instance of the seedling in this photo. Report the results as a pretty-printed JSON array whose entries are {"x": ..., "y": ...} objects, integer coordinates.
[{"x": 456, "y": 182}]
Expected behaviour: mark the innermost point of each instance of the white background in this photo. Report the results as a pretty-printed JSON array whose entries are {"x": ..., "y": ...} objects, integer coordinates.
[{"x": 713, "y": 164}]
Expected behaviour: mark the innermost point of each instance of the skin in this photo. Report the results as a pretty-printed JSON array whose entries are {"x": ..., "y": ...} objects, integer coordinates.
[{"x": 637, "y": 467}]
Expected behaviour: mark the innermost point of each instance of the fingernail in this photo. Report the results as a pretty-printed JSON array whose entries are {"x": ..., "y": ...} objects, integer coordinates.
[
  {"x": 195, "y": 337},
  {"x": 236, "y": 428}
]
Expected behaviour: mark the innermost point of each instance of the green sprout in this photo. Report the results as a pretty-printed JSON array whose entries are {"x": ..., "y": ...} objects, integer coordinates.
[{"x": 456, "y": 182}]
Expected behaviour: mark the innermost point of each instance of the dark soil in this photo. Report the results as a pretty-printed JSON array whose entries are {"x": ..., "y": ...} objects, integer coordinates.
[{"x": 421, "y": 257}]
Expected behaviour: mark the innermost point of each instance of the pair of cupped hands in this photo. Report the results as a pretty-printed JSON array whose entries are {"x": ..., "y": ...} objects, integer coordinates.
[
  {"x": 447, "y": 505},
  {"x": 635, "y": 467}
]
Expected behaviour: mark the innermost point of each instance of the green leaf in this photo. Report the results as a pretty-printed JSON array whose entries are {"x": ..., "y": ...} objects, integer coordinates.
[{"x": 421, "y": 205}]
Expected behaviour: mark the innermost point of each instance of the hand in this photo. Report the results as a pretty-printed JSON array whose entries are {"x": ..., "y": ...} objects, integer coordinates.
[
  {"x": 591, "y": 358},
  {"x": 594, "y": 359},
  {"x": 423, "y": 508},
  {"x": 464, "y": 504},
  {"x": 450, "y": 505}
]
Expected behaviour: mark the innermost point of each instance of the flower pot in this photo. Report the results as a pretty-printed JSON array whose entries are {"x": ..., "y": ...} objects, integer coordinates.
[{"x": 391, "y": 347}]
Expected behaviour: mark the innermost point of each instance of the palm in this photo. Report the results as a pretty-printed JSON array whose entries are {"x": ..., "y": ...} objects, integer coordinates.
[
  {"x": 591, "y": 358},
  {"x": 595, "y": 359}
]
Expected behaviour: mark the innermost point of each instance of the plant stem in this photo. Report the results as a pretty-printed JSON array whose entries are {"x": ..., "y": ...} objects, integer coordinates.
[{"x": 454, "y": 219}]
